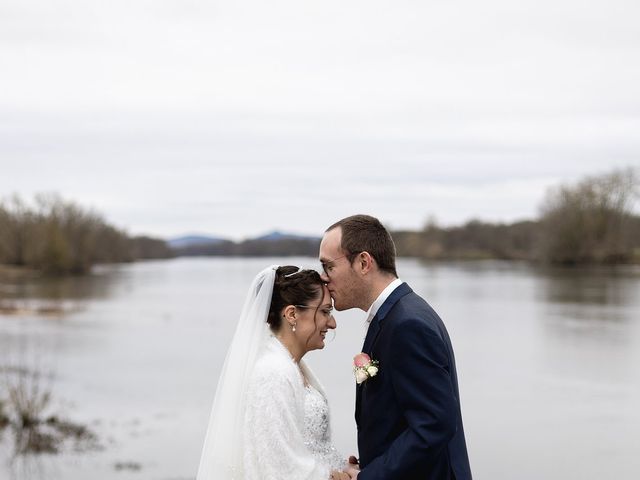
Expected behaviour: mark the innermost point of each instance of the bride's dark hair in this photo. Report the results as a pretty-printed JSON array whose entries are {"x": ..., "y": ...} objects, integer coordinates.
[{"x": 292, "y": 287}]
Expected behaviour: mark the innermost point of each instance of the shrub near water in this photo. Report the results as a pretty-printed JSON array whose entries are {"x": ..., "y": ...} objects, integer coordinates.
[{"x": 25, "y": 412}]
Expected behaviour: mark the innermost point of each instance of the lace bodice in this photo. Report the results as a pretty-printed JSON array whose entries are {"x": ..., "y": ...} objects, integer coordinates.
[
  {"x": 317, "y": 430},
  {"x": 286, "y": 429}
]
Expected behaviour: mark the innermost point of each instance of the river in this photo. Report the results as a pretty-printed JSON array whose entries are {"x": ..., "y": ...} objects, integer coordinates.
[{"x": 547, "y": 363}]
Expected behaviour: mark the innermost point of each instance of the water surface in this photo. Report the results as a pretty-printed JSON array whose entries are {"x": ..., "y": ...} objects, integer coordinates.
[{"x": 547, "y": 363}]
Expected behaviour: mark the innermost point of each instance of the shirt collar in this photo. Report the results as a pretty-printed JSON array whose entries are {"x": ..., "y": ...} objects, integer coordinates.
[{"x": 375, "y": 306}]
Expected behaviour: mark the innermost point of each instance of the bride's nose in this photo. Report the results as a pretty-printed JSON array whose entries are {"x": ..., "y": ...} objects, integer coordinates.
[{"x": 332, "y": 322}]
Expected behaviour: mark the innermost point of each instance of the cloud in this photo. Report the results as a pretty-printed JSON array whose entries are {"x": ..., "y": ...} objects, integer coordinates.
[{"x": 241, "y": 116}]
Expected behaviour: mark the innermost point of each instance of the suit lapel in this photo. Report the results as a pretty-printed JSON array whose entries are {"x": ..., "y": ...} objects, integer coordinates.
[
  {"x": 374, "y": 330},
  {"x": 376, "y": 322},
  {"x": 372, "y": 333}
]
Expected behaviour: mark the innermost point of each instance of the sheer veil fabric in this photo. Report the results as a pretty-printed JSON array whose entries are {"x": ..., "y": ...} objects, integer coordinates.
[{"x": 222, "y": 453}]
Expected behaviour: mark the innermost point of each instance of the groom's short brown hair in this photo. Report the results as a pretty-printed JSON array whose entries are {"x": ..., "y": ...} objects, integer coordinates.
[{"x": 364, "y": 233}]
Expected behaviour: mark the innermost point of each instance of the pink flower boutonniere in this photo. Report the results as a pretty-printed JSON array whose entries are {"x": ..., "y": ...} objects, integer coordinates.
[{"x": 364, "y": 368}]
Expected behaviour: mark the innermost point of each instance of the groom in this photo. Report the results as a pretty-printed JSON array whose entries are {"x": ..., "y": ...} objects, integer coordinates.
[{"x": 408, "y": 415}]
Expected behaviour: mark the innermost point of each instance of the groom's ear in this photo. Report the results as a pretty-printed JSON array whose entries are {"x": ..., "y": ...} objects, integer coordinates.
[{"x": 364, "y": 262}]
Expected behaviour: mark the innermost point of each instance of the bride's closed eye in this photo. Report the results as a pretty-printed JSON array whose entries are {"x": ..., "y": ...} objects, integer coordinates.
[{"x": 327, "y": 311}]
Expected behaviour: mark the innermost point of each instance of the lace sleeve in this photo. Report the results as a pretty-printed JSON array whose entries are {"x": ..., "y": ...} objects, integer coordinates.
[{"x": 273, "y": 429}]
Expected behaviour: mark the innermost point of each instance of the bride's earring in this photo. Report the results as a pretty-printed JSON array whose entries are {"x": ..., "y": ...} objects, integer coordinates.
[{"x": 293, "y": 328}]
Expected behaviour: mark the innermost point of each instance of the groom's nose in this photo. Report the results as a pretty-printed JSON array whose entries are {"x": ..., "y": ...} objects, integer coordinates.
[{"x": 324, "y": 277}]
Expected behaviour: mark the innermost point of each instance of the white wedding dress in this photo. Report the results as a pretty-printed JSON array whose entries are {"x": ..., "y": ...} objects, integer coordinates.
[
  {"x": 270, "y": 418},
  {"x": 286, "y": 431}
]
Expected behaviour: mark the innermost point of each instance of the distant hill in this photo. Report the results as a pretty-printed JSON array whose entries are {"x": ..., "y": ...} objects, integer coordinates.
[
  {"x": 277, "y": 236},
  {"x": 192, "y": 240},
  {"x": 273, "y": 243}
]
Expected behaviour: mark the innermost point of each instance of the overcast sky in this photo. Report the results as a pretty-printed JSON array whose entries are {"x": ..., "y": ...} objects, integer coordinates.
[{"x": 234, "y": 118}]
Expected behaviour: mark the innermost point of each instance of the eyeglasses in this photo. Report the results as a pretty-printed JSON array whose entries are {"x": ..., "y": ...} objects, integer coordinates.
[{"x": 327, "y": 267}]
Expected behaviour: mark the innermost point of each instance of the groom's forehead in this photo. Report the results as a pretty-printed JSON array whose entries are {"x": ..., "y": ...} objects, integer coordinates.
[{"x": 331, "y": 244}]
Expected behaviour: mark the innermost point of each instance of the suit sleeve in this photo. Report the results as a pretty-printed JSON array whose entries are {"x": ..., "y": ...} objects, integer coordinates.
[{"x": 422, "y": 384}]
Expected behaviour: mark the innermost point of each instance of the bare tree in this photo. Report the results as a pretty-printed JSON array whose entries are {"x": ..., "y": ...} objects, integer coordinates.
[
  {"x": 58, "y": 236},
  {"x": 590, "y": 222},
  {"x": 16, "y": 227}
]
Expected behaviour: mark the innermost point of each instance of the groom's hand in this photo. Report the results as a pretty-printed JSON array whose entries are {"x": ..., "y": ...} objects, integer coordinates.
[{"x": 352, "y": 468}]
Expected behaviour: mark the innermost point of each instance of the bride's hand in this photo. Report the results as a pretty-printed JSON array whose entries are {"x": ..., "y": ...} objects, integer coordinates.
[
  {"x": 352, "y": 471},
  {"x": 336, "y": 475}
]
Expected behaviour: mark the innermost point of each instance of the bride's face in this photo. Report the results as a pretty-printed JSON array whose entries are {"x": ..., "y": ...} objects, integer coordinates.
[{"x": 314, "y": 321}]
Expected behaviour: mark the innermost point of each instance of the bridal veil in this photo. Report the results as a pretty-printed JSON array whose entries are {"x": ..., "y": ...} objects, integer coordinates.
[{"x": 222, "y": 452}]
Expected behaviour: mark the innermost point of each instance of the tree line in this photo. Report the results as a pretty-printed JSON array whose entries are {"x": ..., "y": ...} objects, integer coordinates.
[
  {"x": 591, "y": 221},
  {"x": 285, "y": 247},
  {"x": 59, "y": 237}
]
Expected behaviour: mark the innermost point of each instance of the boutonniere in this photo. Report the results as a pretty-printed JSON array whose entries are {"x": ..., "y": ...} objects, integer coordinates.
[{"x": 364, "y": 368}]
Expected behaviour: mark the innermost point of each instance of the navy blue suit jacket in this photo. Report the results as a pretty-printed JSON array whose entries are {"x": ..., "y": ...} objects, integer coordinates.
[{"x": 408, "y": 415}]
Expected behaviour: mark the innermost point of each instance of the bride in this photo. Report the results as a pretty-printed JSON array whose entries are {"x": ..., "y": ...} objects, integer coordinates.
[{"x": 270, "y": 417}]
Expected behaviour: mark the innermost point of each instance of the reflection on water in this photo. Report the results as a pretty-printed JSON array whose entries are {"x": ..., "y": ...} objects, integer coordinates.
[
  {"x": 592, "y": 306},
  {"x": 55, "y": 297},
  {"x": 546, "y": 361},
  {"x": 592, "y": 286},
  {"x": 99, "y": 284}
]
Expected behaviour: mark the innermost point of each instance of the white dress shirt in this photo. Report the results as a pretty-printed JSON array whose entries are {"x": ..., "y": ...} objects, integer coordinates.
[{"x": 377, "y": 303}]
